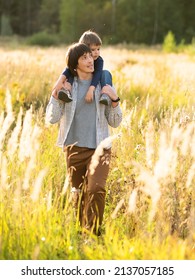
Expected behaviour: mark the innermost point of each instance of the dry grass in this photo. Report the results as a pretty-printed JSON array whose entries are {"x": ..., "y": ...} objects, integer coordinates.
[{"x": 150, "y": 204}]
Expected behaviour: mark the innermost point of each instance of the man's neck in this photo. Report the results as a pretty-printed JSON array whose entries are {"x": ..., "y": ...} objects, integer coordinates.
[{"x": 85, "y": 76}]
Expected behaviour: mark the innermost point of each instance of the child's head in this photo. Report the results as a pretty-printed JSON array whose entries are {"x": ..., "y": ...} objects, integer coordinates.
[{"x": 93, "y": 41}]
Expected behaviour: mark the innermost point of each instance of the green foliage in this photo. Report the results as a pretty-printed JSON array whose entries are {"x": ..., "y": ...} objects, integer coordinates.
[
  {"x": 49, "y": 16},
  {"x": 6, "y": 29},
  {"x": 43, "y": 39},
  {"x": 70, "y": 19},
  {"x": 169, "y": 44},
  {"x": 117, "y": 21}
]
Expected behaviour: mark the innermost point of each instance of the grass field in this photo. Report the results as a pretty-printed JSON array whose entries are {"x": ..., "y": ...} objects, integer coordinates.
[{"x": 150, "y": 202}]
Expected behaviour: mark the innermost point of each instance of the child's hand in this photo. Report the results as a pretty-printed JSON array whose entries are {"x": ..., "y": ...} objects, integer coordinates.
[
  {"x": 67, "y": 85},
  {"x": 59, "y": 83},
  {"x": 54, "y": 93},
  {"x": 89, "y": 95}
]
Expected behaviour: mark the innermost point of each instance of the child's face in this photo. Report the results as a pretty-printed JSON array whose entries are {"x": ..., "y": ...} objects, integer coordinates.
[{"x": 95, "y": 51}]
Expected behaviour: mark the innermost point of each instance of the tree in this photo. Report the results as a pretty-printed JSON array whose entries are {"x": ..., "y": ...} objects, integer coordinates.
[
  {"x": 6, "y": 29},
  {"x": 49, "y": 16},
  {"x": 24, "y": 16},
  {"x": 140, "y": 21},
  {"x": 70, "y": 19},
  {"x": 188, "y": 15}
]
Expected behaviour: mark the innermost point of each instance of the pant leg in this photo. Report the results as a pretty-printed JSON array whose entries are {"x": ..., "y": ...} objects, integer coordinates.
[
  {"x": 106, "y": 78},
  {"x": 77, "y": 160},
  {"x": 95, "y": 193},
  {"x": 76, "y": 166}
]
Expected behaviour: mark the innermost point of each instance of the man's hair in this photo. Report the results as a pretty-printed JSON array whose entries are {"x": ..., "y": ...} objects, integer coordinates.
[
  {"x": 74, "y": 52},
  {"x": 90, "y": 38}
]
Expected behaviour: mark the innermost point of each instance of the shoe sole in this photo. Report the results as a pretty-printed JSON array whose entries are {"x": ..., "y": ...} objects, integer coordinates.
[
  {"x": 104, "y": 101},
  {"x": 64, "y": 97}
]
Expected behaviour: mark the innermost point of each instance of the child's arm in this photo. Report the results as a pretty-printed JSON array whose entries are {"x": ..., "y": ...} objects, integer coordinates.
[
  {"x": 66, "y": 75},
  {"x": 59, "y": 83},
  {"x": 98, "y": 67}
]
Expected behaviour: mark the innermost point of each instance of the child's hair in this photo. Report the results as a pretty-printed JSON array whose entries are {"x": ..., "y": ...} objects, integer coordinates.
[
  {"x": 74, "y": 52},
  {"x": 90, "y": 38}
]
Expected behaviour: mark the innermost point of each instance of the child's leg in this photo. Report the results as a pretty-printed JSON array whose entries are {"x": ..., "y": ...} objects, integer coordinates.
[
  {"x": 106, "y": 79},
  {"x": 64, "y": 94}
]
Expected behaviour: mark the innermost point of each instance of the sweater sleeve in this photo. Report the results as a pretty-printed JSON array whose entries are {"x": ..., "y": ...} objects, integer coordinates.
[{"x": 98, "y": 67}]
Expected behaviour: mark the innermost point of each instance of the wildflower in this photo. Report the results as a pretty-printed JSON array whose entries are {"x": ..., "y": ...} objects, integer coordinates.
[
  {"x": 167, "y": 162},
  {"x": 187, "y": 139},
  {"x": 131, "y": 249},
  {"x": 187, "y": 118},
  {"x": 191, "y": 175},
  {"x": 99, "y": 152},
  {"x": 36, "y": 252},
  {"x": 49, "y": 200},
  {"x": 25, "y": 138},
  {"x": 38, "y": 183},
  {"x": 132, "y": 201},
  {"x": 149, "y": 144},
  {"x": 3, "y": 173},
  {"x": 66, "y": 184},
  {"x": 118, "y": 207},
  {"x": 138, "y": 147},
  {"x": 12, "y": 144},
  {"x": 6, "y": 123},
  {"x": 31, "y": 165},
  {"x": 151, "y": 187},
  {"x": 29, "y": 143}
]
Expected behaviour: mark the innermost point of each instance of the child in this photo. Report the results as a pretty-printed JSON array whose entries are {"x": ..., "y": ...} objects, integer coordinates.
[{"x": 93, "y": 41}]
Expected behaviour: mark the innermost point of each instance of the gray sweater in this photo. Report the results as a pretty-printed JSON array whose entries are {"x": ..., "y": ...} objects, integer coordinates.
[
  {"x": 82, "y": 131},
  {"x": 58, "y": 111}
]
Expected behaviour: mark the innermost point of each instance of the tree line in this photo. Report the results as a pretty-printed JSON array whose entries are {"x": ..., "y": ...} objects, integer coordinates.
[{"x": 130, "y": 21}]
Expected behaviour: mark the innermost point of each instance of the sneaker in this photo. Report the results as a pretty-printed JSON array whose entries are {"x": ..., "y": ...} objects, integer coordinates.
[
  {"x": 104, "y": 99},
  {"x": 64, "y": 95}
]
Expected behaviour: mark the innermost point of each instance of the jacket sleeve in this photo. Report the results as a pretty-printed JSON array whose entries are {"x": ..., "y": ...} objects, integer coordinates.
[
  {"x": 114, "y": 116},
  {"x": 54, "y": 110}
]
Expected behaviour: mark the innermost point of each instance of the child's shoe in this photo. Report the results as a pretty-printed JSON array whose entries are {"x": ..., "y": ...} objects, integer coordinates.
[
  {"x": 64, "y": 95},
  {"x": 104, "y": 99}
]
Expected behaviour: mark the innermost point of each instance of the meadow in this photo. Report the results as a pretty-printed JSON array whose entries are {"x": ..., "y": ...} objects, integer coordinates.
[{"x": 150, "y": 202}]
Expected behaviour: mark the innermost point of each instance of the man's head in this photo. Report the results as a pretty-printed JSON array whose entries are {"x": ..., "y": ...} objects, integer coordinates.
[{"x": 79, "y": 57}]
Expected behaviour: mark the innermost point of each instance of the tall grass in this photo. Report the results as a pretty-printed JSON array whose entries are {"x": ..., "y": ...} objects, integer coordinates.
[{"x": 150, "y": 202}]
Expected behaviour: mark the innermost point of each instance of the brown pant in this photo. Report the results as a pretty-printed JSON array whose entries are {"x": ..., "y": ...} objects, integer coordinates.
[{"x": 93, "y": 192}]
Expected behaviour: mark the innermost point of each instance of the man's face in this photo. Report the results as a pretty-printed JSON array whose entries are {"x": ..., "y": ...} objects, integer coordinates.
[{"x": 86, "y": 63}]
